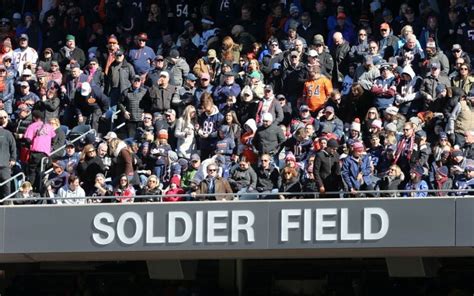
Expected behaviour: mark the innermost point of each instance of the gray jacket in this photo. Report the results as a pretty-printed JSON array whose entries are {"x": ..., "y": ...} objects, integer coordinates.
[
  {"x": 8, "y": 148},
  {"x": 177, "y": 71},
  {"x": 126, "y": 74}
]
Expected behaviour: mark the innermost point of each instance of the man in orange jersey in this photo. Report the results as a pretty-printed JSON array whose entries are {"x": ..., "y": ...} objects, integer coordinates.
[{"x": 316, "y": 90}]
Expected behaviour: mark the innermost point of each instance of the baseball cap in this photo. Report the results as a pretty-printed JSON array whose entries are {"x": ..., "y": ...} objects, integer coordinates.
[
  {"x": 26, "y": 72},
  {"x": 329, "y": 109},
  {"x": 159, "y": 58},
  {"x": 170, "y": 111},
  {"x": 136, "y": 78},
  {"x": 174, "y": 53},
  {"x": 435, "y": 65},
  {"x": 318, "y": 39},
  {"x": 304, "y": 108},
  {"x": 268, "y": 87},
  {"x": 312, "y": 53},
  {"x": 165, "y": 74},
  {"x": 110, "y": 135},
  {"x": 195, "y": 157},
  {"x": 70, "y": 37},
  {"x": 191, "y": 77},
  {"x": 24, "y": 36},
  {"x": 332, "y": 143},
  {"x": 230, "y": 73},
  {"x": 118, "y": 53},
  {"x": 23, "y": 83},
  {"x": 456, "y": 47},
  {"x": 211, "y": 53},
  {"x": 86, "y": 89}
]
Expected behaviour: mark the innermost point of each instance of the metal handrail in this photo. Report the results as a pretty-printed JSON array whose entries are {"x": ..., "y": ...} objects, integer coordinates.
[
  {"x": 159, "y": 198},
  {"x": 9, "y": 180},
  {"x": 63, "y": 147}
]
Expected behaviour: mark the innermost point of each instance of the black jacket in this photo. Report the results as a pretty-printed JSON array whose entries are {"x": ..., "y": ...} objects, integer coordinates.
[
  {"x": 77, "y": 54},
  {"x": 327, "y": 170},
  {"x": 132, "y": 101},
  {"x": 268, "y": 139},
  {"x": 159, "y": 99},
  {"x": 97, "y": 100},
  {"x": 267, "y": 179}
]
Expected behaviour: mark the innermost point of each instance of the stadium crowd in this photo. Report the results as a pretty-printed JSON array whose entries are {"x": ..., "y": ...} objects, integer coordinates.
[{"x": 226, "y": 97}]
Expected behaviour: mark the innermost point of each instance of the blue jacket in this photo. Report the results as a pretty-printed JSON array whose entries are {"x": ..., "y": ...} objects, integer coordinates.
[
  {"x": 222, "y": 92},
  {"x": 418, "y": 189},
  {"x": 7, "y": 96},
  {"x": 351, "y": 168},
  {"x": 141, "y": 59}
]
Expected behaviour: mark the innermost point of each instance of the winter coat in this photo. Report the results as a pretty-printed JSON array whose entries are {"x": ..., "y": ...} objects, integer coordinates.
[
  {"x": 221, "y": 185},
  {"x": 97, "y": 100},
  {"x": 203, "y": 66},
  {"x": 465, "y": 84},
  {"x": 292, "y": 186},
  {"x": 384, "y": 90},
  {"x": 77, "y": 54},
  {"x": 430, "y": 83},
  {"x": 243, "y": 179},
  {"x": 274, "y": 109},
  {"x": 132, "y": 101},
  {"x": 222, "y": 92},
  {"x": 267, "y": 179},
  {"x": 49, "y": 108},
  {"x": 351, "y": 168},
  {"x": 177, "y": 71},
  {"x": 341, "y": 59},
  {"x": 159, "y": 99},
  {"x": 327, "y": 170},
  {"x": 126, "y": 75},
  {"x": 87, "y": 170},
  {"x": 268, "y": 139}
]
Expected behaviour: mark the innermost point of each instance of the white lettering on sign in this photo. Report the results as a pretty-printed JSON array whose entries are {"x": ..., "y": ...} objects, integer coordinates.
[
  {"x": 331, "y": 224},
  {"x": 177, "y": 227}
]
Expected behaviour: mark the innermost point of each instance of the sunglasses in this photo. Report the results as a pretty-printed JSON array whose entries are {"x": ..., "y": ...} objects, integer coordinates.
[
  {"x": 142, "y": 40},
  {"x": 383, "y": 30},
  {"x": 362, "y": 34},
  {"x": 464, "y": 69},
  {"x": 212, "y": 170},
  {"x": 113, "y": 43},
  {"x": 149, "y": 118}
]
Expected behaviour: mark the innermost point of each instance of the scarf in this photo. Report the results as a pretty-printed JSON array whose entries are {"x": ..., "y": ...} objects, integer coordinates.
[
  {"x": 110, "y": 60},
  {"x": 67, "y": 52},
  {"x": 439, "y": 185},
  {"x": 402, "y": 147}
]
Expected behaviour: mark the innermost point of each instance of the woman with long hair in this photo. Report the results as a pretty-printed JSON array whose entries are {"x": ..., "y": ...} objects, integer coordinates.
[
  {"x": 231, "y": 120},
  {"x": 391, "y": 181},
  {"x": 185, "y": 132},
  {"x": 124, "y": 191},
  {"x": 230, "y": 51},
  {"x": 89, "y": 166},
  {"x": 290, "y": 183}
]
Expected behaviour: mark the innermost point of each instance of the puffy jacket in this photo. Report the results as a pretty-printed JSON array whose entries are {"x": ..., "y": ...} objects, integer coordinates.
[{"x": 131, "y": 101}]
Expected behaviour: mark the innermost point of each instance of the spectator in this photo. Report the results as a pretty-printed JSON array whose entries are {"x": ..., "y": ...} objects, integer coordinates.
[
  {"x": 289, "y": 184},
  {"x": 124, "y": 191},
  {"x": 185, "y": 132},
  {"x": 39, "y": 134},
  {"x": 270, "y": 105},
  {"x": 268, "y": 137},
  {"x": 71, "y": 193},
  {"x": 24, "y": 57},
  {"x": 267, "y": 177},
  {"x": 177, "y": 68},
  {"x": 316, "y": 90},
  {"x": 9, "y": 154},
  {"x": 89, "y": 166},
  {"x": 327, "y": 169},
  {"x": 243, "y": 179},
  {"x": 356, "y": 171},
  {"x": 212, "y": 184},
  {"x": 141, "y": 56},
  {"x": 416, "y": 185},
  {"x": 160, "y": 94},
  {"x": 131, "y": 105},
  {"x": 70, "y": 54},
  {"x": 392, "y": 181}
]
